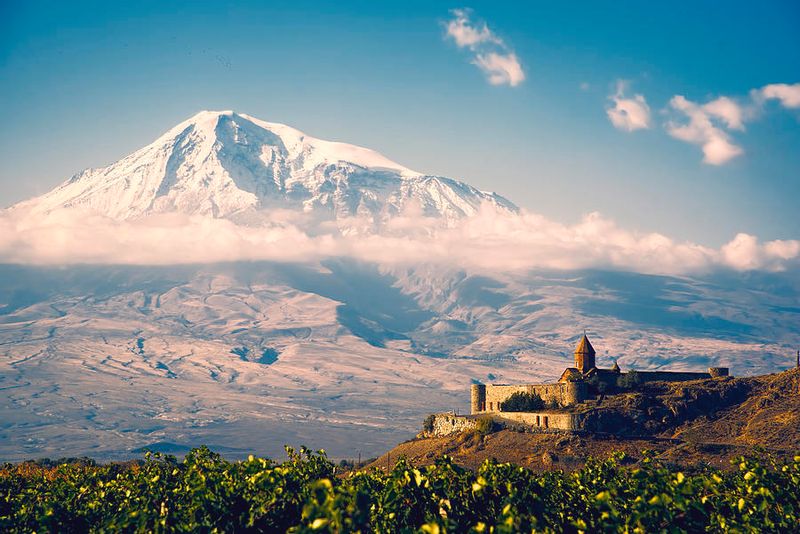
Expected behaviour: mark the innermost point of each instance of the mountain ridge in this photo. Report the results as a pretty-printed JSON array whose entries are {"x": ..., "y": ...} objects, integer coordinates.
[
  {"x": 223, "y": 164},
  {"x": 263, "y": 354}
]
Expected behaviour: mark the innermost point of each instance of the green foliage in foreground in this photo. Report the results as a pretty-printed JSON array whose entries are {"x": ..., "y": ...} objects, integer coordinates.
[{"x": 206, "y": 493}]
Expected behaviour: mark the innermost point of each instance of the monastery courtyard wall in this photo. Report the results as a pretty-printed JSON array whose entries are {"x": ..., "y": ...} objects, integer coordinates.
[{"x": 489, "y": 397}]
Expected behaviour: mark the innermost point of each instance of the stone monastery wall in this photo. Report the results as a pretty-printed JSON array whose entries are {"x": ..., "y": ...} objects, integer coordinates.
[
  {"x": 448, "y": 423},
  {"x": 445, "y": 424},
  {"x": 487, "y": 398},
  {"x": 546, "y": 420},
  {"x": 671, "y": 376}
]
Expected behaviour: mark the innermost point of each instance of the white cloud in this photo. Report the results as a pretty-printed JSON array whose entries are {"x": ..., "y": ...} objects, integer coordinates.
[
  {"x": 491, "y": 241},
  {"x": 727, "y": 110},
  {"x": 490, "y": 54},
  {"x": 628, "y": 114},
  {"x": 744, "y": 252},
  {"x": 788, "y": 95},
  {"x": 709, "y": 124},
  {"x": 468, "y": 34},
  {"x": 704, "y": 128},
  {"x": 500, "y": 69}
]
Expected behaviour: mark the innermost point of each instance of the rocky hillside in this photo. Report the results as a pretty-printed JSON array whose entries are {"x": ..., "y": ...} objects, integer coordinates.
[
  {"x": 704, "y": 421},
  {"x": 769, "y": 415}
]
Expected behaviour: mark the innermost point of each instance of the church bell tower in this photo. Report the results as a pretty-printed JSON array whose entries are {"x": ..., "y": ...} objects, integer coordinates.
[{"x": 584, "y": 355}]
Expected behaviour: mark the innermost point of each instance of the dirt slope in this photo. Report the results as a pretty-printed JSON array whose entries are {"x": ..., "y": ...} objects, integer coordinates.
[{"x": 768, "y": 417}]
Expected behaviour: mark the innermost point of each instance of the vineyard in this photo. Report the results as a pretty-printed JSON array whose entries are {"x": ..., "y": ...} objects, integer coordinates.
[{"x": 305, "y": 493}]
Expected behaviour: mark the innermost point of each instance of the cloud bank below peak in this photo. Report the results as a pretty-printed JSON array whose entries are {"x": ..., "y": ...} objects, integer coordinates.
[
  {"x": 490, "y": 241},
  {"x": 498, "y": 62}
]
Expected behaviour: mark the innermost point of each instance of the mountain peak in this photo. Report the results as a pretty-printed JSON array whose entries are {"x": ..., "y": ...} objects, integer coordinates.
[
  {"x": 206, "y": 119},
  {"x": 209, "y": 113},
  {"x": 222, "y": 163}
]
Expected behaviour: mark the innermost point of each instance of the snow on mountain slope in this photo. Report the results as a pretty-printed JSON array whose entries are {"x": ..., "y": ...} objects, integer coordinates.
[{"x": 226, "y": 164}]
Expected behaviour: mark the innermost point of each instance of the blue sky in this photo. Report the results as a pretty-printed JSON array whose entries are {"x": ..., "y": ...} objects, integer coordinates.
[{"x": 85, "y": 83}]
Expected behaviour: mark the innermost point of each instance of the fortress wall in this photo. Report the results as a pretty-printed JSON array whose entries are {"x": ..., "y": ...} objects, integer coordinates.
[
  {"x": 477, "y": 398},
  {"x": 546, "y": 420},
  {"x": 564, "y": 393},
  {"x": 575, "y": 392},
  {"x": 670, "y": 376},
  {"x": 445, "y": 424}
]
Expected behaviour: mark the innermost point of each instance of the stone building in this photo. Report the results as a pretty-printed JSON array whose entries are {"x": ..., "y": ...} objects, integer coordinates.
[{"x": 577, "y": 383}]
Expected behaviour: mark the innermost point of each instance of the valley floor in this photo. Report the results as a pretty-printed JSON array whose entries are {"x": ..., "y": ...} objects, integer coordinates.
[{"x": 349, "y": 357}]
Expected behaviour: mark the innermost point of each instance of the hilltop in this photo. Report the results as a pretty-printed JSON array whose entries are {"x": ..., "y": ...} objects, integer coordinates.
[{"x": 688, "y": 423}]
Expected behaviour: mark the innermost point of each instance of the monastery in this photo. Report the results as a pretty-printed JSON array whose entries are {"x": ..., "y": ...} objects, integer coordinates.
[
  {"x": 577, "y": 383},
  {"x": 562, "y": 400}
]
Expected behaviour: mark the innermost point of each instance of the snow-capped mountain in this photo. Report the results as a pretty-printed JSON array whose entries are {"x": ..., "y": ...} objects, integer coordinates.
[{"x": 227, "y": 164}]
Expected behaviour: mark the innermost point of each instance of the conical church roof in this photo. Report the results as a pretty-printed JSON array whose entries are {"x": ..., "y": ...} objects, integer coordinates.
[{"x": 584, "y": 347}]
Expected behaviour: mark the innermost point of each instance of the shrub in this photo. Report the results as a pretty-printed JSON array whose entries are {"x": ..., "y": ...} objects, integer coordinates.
[
  {"x": 629, "y": 380},
  {"x": 522, "y": 402},
  {"x": 427, "y": 424},
  {"x": 484, "y": 426}
]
